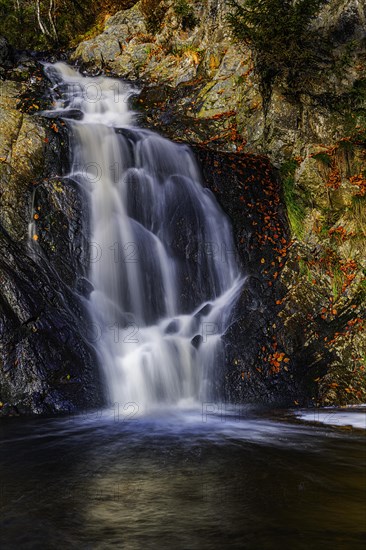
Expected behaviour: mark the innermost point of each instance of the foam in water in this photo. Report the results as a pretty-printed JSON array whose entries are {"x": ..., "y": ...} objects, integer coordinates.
[{"x": 163, "y": 266}]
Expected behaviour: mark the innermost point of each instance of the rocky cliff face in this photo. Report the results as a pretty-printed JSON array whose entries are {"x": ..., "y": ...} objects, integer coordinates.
[
  {"x": 47, "y": 361},
  {"x": 200, "y": 86},
  {"x": 224, "y": 89},
  {"x": 288, "y": 167}
]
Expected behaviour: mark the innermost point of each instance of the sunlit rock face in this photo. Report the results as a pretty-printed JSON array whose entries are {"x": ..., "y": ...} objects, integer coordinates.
[{"x": 219, "y": 88}]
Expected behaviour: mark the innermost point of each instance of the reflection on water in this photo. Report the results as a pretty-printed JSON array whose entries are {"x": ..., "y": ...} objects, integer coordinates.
[
  {"x": 208, "y": 479},
  {"x": 349, "y": 416}
]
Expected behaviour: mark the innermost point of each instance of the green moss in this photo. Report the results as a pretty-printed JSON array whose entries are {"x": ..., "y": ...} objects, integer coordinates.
[
  {"x": 185, "y": 13},
  {"x": 294, "y": 203},
  {"x": 185, "y": 49},
  {"x": 354, "y": 121},
  {"x": 337, "y": 281},
  {"x": 324, "y": 158},
  {"x": 358, "y": 92},
  {"x": 288, "y": 168},
  {"x": 324, "y": 231},
  {"x": 358, "y": 209},
  {"x": 346, "y": 145},
  {"x": 359, "y": 200},
  {"x": 361, "y": 291}
]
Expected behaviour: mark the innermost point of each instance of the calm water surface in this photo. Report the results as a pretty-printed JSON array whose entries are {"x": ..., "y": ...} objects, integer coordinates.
[{"x": 180, "y": 480}]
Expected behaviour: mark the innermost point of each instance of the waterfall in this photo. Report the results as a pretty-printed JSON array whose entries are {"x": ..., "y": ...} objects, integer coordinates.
[{"x": 162, "y": 258}]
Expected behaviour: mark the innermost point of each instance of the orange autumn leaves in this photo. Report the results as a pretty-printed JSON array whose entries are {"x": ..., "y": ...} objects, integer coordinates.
[
  {"x": 360, "y": 181},
  {"x": 330, "y": 263},
  {"x": 353, "y": 326},
  {"x": 334, "y": 179},
  {"x": 275, "y": 360},
  {"x": 333, "y": 161},
  {"x": 270, "y": 237},
  {"x": 340, "y": 234},
  {"x": 349, "y": 269}
]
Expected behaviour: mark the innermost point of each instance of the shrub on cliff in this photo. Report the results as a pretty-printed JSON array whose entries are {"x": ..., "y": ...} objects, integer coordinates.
[
  {"x": 185, "y": 12},
  {"x": 153, "y": 12},
  {"x": 280, "y": 34}
]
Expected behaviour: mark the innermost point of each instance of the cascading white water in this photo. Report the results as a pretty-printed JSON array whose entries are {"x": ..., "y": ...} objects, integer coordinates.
[{"x": 163, "y": 266}]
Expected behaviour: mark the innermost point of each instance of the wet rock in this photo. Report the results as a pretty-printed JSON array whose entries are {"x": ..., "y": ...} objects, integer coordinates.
[
  {"x": 196, "y": 341},
  {"x": 173, "y": 327},
  {"x": 72, "y": 114},
  {"x": 249, "y": 192},
  {"x": 47, "y": 362},
  {"x": 41, "y": 344},
  {"x": 204, "y": 311},
  {"x": 62, "y": 234},
  {"x": 84, "y": 287}
]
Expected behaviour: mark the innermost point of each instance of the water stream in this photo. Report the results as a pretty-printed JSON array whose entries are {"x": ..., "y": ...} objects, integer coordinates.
[{"x": 163, "y": 262}]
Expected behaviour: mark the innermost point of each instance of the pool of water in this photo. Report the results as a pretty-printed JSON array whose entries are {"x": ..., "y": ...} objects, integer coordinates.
[{"x": 205, "y": 479}]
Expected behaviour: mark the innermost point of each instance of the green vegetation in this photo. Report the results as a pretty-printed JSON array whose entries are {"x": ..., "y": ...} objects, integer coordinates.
[
  {"x": 337, "y": 280},
  {"x": 38, "y": 24},
  {"x": 358, "y": 93},
  {"x": 324, "y": 158},
  {"x": 295, "y": 206},
  {"x": 346, "y": 146},
  {"x": 361, "y": 291},
  {"x": 305, "y": 270},
  {"x": 153, "y": 12},
  {"x": 353, "y": 104},
  {"x": 358, "y": 210},
  {"x": 185, "y": 13},
  {"x": 280, "y": 34},
  {"x": 186, "y": 49}
]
